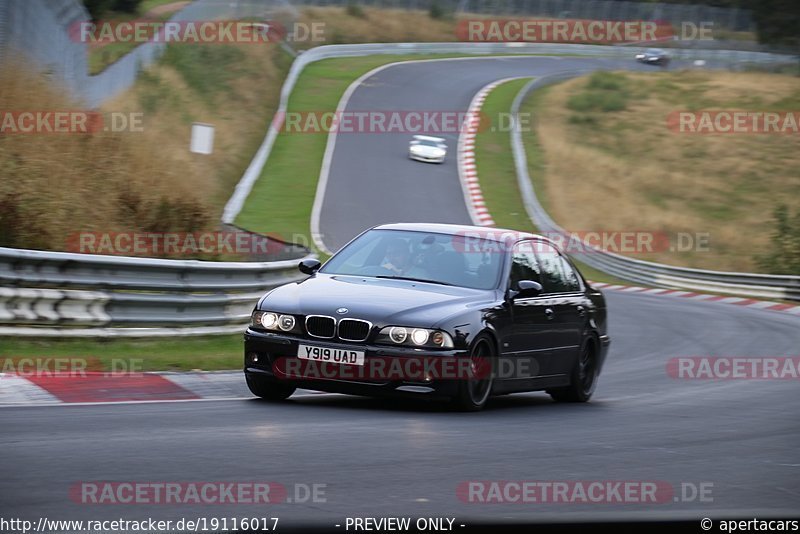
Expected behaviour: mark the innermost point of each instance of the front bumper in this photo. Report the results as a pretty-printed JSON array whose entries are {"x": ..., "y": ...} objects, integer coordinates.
[
  {"x": 418, "y": 157},
  {"x": 277, "y": 353}
]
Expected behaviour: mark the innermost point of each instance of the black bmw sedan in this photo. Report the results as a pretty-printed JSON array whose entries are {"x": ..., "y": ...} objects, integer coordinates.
[{"x": 447, "y": 312}]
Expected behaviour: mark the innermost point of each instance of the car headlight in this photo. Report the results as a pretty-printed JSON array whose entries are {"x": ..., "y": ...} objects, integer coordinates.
[
  {"x": 419, "y": 336},
  {"x": 398, "y": 334},
  {"x": 276, "y": 322},
  {"x": 286, "y": 322},
  {"x": 415, "y": 337}
]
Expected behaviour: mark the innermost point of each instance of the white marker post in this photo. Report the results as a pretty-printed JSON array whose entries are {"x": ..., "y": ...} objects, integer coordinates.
[{"x": 202, "y": 138}]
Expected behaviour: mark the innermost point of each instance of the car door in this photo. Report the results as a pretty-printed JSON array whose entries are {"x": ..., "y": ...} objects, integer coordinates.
[
  {"x": 566, "y": 307},
  {"x": 527, "y": 350}
]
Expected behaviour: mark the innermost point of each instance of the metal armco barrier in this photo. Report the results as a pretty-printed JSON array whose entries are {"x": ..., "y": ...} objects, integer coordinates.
[
  {"x": 642, "y": 272},
  {"x": 88, "y": 295}
]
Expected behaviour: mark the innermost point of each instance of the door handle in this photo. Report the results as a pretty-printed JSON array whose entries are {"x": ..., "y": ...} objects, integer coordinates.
[
  {"x": 549, "y": 313},
  {"x": 581, "y": 311}
]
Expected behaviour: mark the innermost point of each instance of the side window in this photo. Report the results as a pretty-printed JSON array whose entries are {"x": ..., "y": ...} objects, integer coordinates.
[
  {"x": 557, "y": 275},
  {"x": 571, "y": 277},
  {"x": 523, "y": 264}
]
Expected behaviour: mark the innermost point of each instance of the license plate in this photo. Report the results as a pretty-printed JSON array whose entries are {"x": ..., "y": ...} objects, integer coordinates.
[{"x": 326, "y": 354}]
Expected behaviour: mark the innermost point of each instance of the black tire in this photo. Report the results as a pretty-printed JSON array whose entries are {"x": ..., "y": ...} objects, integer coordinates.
[
  {"x": 474, "y": 394},
  {"x": 268, "y": 389},
  {"x": 583, "y": 379}
]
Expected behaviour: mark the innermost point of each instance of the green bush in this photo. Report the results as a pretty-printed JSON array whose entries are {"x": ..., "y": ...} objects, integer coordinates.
[
  {"x": 10, "y": 218},
  {"x": 127, "y": 6},
  {"x": 151, "y": 91},
  {"x": 597, "y": 101},
  {"x": 436, "y": 11},
  {"x": 605, "y": 92},
  {"x": 608, "y": 81},
  {"x": 582, "y": 119},
  {"x": 784, "y": 254},
  {"x": 205, "y": 69},
  {"x": 97, "y": 8},
  {"x": 355, "y": 10}
]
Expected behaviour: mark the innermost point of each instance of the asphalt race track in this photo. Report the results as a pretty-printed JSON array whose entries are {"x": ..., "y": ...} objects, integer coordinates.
[
  {"x": 381, "y": 457},
  {"x": 372, "y": 181},
  {"x": 741, "y": 438}
]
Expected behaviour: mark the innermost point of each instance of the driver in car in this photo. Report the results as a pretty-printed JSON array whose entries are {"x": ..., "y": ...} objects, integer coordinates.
[
  {"x": 398, "y": 257},
  {"x": 400, "y": 261}
]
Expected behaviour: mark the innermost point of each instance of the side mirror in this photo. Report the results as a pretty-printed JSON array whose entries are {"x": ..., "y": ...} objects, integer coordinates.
[
  {"x": 309, "y": 266},
  {"x": 526, "y": 289}
]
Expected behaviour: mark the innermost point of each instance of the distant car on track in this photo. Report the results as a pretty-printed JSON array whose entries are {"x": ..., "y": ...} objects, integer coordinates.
[
  {"x": 428, "y": 149},
  {"x": 653, "y": 56},
  {"x": 506, "y": 311}
]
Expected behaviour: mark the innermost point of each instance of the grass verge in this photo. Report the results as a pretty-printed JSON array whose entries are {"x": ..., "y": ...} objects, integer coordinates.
[
  {"x": 609, "y": 147},
  {"x": 497, "y": 175},
  {"x": 495, "y": 163},
  {"x": 208, "y": 353},
  {"x": 103, "y": 55},
  {"x": 296, "y": 159}
]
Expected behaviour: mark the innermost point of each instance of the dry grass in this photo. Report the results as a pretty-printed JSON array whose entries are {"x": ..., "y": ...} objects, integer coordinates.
[
  {"x": 378, "y": 25},
  {"x": 55, "y": 185},
  {"x": 626, "y": 170},
  {"x": 239, "y": 101}
]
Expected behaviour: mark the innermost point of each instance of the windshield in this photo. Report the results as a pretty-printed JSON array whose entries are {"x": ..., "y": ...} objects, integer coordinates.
[
  {"x": 427, "y": 142},
  {"x": 456, "y": 260}
]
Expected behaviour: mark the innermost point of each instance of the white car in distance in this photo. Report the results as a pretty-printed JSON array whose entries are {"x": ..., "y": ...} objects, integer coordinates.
[{"x": 428, "y": 149}]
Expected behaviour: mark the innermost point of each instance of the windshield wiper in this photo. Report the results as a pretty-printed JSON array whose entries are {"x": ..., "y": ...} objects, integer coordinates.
[{"x": 412, "y": 279}]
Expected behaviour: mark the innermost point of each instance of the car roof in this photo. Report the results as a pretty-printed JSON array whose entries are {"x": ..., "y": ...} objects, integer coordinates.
[
  {"x": 485, "y": 232},
  {"x": 429, "y": 138}
]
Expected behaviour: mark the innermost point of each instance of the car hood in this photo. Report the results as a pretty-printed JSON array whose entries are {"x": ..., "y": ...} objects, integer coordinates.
[{"x": 380, "y": 301}]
